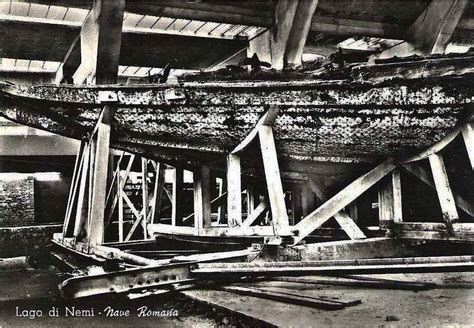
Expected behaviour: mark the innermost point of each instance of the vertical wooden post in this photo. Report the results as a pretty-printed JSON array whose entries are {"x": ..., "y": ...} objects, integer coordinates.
[
  {"x": 145, "y": 196},
  {"x": 82, "y": 198},
  {"x": 272, "y": 176},
  {"x": 296, "y": 204},
  {"x": 101, "y": 39},
  {"x": 101, "y": 158},
  {"x": 76, "y": 177},
  {"x": 250, "y": 193},
  {"x": 299, "y": 31},
  {"x": 158, "y": 194},
  {"x": 397, "y": 196},
  {"x": 445, "y": 196},
  {"x": 222, "y": 210},
  {"x": 390, "y": 202},
  {"x": 234, "y": 191},
  {"x": 176, "y": 210},
  {"x": 120, "y": 206},
  {"x": 202, "y": 199}
]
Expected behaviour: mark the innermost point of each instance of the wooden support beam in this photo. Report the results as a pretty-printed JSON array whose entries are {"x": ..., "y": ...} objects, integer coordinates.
[
  {"x": 255, "y": 231},
  {"x": 115, "y": 253},
  {"x": 68, "y": 227},
  {"x": 360, "y": 266},
  {"x": 101, "y": 38},
  {"x": 433, "y": 149},
  {"x": 349, "y": 226},
  {"x": 267, "y": 119},
  {"x": 289, "y": 298},
  {"x": 99, "y": 184},
  {"x": 70, "y": 63},
  {"x": 440, "y": 18},
  {"x": 145, "y": 202},
  {"x": 445, "y": 196},
  {"x": 435, "y": 231},
  {"x": 158, "y": 192},
  {"x": 468, "y": 136},
  {"x": 299, "y": 32},
  {"x": 216, "y": 203},
  {"x": 234, "y": 191},
  {"x": 424, "y": 176},
  {"x": 116, "y": 171},
  {"x": 360, "y": 282},
  {"x": 284, "y": 42},
  {"x": 120, "y": 191},
  {"x": 222, "y": 210},
  {"x": 274, "y": 186},
  {"x": 177, "y": 201},
  {"x": 390, "y": 201},
  {"x": 137, "y": 222},
  {"x": 82, "y": 198},
  {"x": 122, "y": 185},
  {"x": 202, "y": 199},
  {"x": 315, "y": 219},
  {"x": 344, "y": 220},
  {"x": 256, "y": 214}
]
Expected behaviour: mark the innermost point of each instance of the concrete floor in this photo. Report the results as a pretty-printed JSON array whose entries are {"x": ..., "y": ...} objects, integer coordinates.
[{"x": 448, "y": 304}]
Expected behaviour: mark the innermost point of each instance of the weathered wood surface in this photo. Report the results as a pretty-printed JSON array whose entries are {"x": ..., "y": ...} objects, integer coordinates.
[
  {"x": 288, "y": 297},
  {"x": 443, "y": 189},
  {"x": 333, "y": 121},
  {"x": 389, "y": 265}
]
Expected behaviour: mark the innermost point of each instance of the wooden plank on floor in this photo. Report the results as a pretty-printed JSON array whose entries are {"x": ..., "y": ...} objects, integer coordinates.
[
  {"x": 359, "y": 266},
  {"x": 360, "y": 282},
  {"x": 286, "y": 297}
]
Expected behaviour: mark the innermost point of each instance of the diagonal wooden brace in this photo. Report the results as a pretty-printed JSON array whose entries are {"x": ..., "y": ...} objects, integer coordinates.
[{"x": 347, "y": 195}]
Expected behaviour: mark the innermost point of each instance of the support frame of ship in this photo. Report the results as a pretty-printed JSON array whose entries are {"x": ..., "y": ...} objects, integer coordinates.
[{"x": 284, "y": 240}]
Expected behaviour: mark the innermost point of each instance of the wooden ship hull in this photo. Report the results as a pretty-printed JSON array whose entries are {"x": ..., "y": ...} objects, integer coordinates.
[{"x": 319, "y": 125}]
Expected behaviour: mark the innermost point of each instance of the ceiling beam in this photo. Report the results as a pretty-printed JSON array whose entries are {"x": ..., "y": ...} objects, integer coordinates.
[
  {"x": 101, "y": 38},
  {"x": 351, "y": 27},
  {"x": 227, "y": 14},
  {"x": 52, "y": 40},
  {"x": 299, "y": 32},
  {"x": 433, "y": 29},
  {"x": 282, "y": 45}
]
